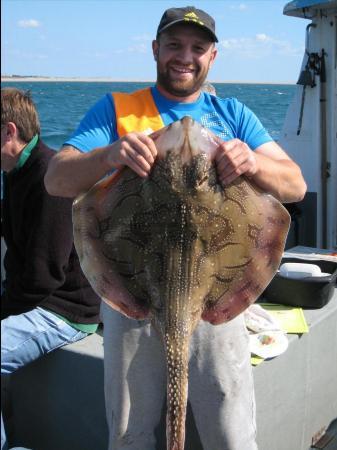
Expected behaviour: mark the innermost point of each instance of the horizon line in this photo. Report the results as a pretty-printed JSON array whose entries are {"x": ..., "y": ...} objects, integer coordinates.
[{"x": 32, "y": 78}]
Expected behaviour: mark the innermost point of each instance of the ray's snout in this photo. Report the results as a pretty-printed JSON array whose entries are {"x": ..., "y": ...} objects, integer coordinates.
[
  {"x": 187, "y": 122},
  {"x": 186, "y": 139}
]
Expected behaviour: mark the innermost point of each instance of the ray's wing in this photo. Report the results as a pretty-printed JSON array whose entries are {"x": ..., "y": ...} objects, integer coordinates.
[
  {"x": 100, "y": 219},
  {"x": 247, "y": 252}
]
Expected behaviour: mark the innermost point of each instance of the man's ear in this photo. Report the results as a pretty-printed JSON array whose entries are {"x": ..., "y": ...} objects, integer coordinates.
[
  {"x": 155, "y": 49},
  {"x": 11, "y": 131},
  {"x": 213, "y": 56}
]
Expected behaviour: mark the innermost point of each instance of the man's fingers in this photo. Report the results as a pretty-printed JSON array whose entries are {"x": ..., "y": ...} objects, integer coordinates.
[
  {"x": 137, "y": 151},
  {"x": 227, "y": 177},
  {"x": 134, "y": 145},
  {"x": 225, "y": 149},
  {"x": 230, "y": 164},
  {"x": 135, "y": 159},
  {"x": 145, "y": 145},
  {"x": 234, "y": 158},
  {"x": 149, "y": 144}
]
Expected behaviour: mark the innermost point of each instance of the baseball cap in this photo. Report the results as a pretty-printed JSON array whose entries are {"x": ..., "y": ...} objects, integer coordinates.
[{"x": 188, "y": 14}]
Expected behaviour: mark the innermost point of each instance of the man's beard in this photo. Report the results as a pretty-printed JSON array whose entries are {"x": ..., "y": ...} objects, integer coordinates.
[{"x": 180, "y": 88}]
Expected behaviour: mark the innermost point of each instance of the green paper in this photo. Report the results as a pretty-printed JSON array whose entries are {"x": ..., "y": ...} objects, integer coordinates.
[{"x": 291, "y": 319}]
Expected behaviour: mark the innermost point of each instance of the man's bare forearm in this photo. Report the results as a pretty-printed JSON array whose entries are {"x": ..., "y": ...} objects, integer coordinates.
[
  {"x": 282, "y": 178},
  {"x": 71, "y": 172}
]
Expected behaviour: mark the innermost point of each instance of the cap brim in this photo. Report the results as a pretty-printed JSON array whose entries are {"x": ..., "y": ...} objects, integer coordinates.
[{"x": 203, "y": 27}]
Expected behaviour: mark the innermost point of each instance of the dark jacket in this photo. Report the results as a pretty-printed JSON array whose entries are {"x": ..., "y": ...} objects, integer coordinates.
[{"x": 42, "y": 266}]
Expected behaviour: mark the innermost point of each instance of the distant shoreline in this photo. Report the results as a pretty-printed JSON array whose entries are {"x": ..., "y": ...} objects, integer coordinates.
[
  {"x": 111, "y": 80},
  {"x": 72, "y": 79}
]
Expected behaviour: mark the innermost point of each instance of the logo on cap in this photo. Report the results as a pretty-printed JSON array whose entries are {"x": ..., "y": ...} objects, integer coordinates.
[{"x": 192, "y": 17}]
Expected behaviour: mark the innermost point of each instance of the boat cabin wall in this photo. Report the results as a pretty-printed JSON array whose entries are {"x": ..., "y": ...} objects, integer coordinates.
[{"x": 309, "y": 134}]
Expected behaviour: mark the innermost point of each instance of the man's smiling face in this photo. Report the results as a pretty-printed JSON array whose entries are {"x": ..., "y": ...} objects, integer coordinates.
[{"x": 184, "y": 55}]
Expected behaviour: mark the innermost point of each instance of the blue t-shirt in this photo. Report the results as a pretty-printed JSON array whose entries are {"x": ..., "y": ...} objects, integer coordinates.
[{"x": 227, "y": 118}]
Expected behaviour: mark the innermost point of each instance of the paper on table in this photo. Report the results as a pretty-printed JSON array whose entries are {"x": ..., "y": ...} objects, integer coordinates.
[
  {"x": 291, "y": 319},
  {"x": 256, "y": 360}
]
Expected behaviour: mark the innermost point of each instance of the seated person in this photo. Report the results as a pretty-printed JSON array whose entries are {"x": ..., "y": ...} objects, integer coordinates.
[{"x": 47, "y": 302}]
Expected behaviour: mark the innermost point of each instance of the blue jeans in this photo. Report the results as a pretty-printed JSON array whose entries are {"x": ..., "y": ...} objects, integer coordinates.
[{"x": 26, "y": 337}]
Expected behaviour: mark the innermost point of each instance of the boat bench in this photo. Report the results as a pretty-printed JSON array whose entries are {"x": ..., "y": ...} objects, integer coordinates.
[{"x": 57, "y": 402}]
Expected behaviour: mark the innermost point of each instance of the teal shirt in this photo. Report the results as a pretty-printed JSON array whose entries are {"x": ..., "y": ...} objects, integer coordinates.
[
  {"x": 88, "y": 328},
  {"x": 25, "y": 154}
]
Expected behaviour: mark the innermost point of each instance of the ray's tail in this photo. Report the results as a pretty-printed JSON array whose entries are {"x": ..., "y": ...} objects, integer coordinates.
[{"x": 177, "y": 352}]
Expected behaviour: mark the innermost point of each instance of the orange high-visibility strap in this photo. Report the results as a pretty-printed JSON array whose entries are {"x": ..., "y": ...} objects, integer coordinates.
[{"x": 136, "y": 112}]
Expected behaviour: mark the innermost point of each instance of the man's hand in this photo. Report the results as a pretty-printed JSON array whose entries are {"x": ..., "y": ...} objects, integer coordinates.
[
  {"x": 234, "y": 158},
  {"x": 135, "y": 150}
]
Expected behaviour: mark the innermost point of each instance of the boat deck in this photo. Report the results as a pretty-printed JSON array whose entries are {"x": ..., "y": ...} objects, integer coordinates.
[{"x": 296, "y": 393}]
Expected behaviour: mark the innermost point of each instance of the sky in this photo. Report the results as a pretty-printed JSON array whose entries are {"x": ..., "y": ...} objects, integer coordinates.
[{"x": 112, "y": 39}]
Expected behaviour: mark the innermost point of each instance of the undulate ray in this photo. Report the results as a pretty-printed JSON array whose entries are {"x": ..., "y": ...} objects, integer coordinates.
[{"x": 177, "y": 247}]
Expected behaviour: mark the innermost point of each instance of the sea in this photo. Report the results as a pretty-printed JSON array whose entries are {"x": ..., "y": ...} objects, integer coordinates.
[{"x": 61, "y": 105}]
